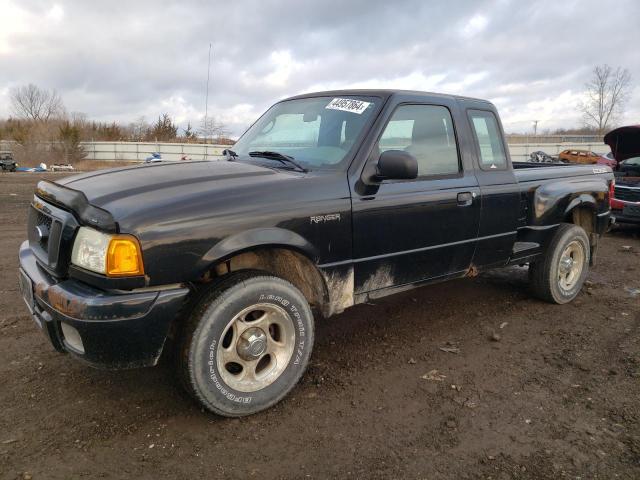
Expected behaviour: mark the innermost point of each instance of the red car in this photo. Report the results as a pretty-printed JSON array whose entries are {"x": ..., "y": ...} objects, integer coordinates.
[
  {"x": 608, "y": 160},
  {"x": 625, "y": 199}
]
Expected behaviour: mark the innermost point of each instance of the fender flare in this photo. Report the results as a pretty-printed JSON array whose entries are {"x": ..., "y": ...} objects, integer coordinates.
[
  {"x": 553, "y": 201},
  {"x": 306, "y": 276},
  {"x": 256, "y": 238},
  {"x": 584, "y": 199}
]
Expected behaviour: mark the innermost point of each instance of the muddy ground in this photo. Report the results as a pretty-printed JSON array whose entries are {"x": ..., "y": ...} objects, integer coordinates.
[{"x": 554, "y": 394}]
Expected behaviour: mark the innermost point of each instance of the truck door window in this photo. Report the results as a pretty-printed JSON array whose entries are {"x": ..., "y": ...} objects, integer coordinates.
[
  {"x": 426, "y": 132},
  {"x": 488, "y": 140}
]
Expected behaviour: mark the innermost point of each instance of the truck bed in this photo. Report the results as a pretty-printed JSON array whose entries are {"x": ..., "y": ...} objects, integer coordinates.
[{"x": 529, "y": 171}]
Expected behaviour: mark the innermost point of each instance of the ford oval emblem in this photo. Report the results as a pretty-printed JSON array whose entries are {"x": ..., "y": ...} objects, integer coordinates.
[{"x": 43, "y": 232}]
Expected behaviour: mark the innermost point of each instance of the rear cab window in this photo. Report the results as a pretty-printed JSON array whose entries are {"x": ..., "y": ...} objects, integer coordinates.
[{"x": 488, "y": 140}]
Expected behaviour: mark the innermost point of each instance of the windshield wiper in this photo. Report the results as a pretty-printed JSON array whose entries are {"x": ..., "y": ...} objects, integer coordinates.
[{"x": 281, "y": 157}]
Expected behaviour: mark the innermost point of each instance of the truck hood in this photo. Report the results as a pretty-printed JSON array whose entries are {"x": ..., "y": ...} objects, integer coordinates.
[
  {"x": 148, "y": 189},
  {"x": 624, "y": 142}
]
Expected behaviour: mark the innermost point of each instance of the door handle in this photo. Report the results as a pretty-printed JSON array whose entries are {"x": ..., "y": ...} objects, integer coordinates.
[{"x": 465, "y": 199}]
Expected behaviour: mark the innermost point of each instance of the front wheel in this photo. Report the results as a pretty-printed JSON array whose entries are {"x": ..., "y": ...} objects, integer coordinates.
[
  {"x": 246, "y": 344},
  {"x": 559, "y": 275}
]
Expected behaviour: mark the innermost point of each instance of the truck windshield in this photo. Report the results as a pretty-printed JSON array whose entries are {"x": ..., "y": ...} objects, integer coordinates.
[{"x": 318, "y": 132}]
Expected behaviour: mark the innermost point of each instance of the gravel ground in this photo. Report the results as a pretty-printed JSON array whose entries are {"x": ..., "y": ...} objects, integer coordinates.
[{"x": 522, "y": 389}]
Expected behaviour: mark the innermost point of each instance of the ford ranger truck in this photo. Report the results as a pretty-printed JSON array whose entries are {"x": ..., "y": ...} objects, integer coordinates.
[{"x": 327, "y": 201}]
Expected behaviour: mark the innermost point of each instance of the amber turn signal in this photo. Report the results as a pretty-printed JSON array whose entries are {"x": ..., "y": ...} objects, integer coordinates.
[{"x": 124, "y": 257}]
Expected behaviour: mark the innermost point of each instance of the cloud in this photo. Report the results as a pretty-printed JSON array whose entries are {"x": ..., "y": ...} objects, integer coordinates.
[
  {"x": 13, "y": 21},
  {"x": 475, "y": 25},
  {"x": 56, "y": 13},
  {"x": 120, "y": 60},
  {"x": 284, "y": 67}
]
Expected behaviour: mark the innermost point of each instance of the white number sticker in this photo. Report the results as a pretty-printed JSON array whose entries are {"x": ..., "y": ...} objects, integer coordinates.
[{"x": 348, "y": 105}]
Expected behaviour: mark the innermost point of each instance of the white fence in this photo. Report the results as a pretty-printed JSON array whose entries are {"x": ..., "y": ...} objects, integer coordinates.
[
  {"x": 521, "y": 151},
  {"x": 132, "y": 152}
]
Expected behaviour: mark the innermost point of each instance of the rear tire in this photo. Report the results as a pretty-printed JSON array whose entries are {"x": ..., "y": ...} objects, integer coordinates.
[
  {"x": 246, "y": 343},
  {"x": 559, "y": 275}
]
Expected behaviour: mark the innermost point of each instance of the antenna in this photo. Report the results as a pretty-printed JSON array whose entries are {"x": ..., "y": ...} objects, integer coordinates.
[{"x": 206, "y": 101}]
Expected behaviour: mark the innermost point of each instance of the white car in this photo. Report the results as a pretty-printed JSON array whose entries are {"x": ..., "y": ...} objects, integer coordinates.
[{"x": 63, "y": 167}]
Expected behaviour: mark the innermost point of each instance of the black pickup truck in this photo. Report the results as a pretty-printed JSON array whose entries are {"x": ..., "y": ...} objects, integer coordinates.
[
  {"x": 7, "y": 163},
  {"x": 328, "y": 200}
]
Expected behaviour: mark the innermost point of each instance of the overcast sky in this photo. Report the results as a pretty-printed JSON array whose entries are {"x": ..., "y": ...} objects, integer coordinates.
[{"x": 121, "y": 60}]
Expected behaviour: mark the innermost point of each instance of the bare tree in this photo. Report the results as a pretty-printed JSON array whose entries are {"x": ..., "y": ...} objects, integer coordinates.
[
  {"x": 606, "y": 94},
  {"x": 139, "y": 129},
  {"x": 212, "y": 128},
  {"x": 34, "y": 103}
]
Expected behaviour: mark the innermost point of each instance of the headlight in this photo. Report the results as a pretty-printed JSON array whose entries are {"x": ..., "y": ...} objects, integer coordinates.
[{"x": 113, "y": 255}]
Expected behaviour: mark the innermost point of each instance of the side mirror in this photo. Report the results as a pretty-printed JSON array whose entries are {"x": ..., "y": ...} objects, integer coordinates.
[{"x": 397, "y": 165}]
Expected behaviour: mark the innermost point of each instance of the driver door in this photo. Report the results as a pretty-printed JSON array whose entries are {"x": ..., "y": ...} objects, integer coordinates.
[{"x": 407, "y": 231}]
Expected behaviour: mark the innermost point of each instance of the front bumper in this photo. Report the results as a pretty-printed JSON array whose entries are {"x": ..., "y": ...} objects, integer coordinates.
[
  {"x": 627, "y": 215},
  {"x": 116, "y": 329}
]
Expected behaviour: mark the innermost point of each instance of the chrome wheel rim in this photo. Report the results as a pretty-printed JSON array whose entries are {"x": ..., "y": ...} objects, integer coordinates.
[
  {"x": 255, "y": 347},
  {"x": 571, "y": 265}
]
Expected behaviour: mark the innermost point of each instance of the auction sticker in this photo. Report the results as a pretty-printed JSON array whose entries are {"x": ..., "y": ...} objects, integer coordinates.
[{"x": 348, "y": 105}]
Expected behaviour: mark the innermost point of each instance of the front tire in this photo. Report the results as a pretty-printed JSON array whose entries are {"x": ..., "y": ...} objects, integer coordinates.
[
  {"x": 246, "y": 344},
  {"x": 559, "y": 275}
]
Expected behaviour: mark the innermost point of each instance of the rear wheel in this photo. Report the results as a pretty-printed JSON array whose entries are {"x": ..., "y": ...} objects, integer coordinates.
[
  {"x": 246, "y": 344},
  {"x": 560, "y": 274}
]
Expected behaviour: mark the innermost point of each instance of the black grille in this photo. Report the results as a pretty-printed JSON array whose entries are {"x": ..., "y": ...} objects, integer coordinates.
[
  {"x": 627, "y": 194},
  {"x": 38, "y": 220},
  {"x": 50, "y": 230},
  {"x": 44, "y": 222}
]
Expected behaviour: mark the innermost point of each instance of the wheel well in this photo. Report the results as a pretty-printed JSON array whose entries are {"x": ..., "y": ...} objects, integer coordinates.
[
  {"x": 585, "y": 217},
  {"x": 285, "y": 263}
]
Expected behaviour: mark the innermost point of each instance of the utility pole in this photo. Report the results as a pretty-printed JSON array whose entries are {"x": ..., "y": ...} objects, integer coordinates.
[{"x": 206, "y": 101}]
